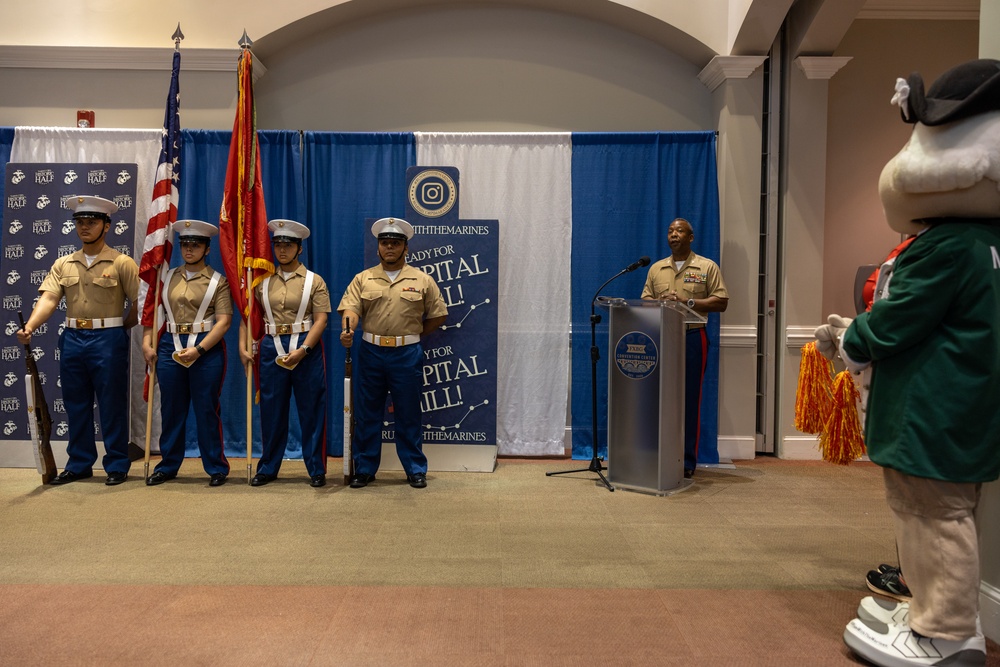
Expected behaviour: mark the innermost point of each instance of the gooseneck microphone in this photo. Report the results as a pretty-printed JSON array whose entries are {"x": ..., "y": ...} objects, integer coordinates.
[{"x": 643, "y": 261}]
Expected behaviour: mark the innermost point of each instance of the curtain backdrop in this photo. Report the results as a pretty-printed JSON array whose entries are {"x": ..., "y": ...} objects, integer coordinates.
[
  {"x": 203, "y": 173},
  {"x": 351, "y": 177},
  {"x": 574, "y": 209},
  {"x": 522, "y": 180},
  {"x": 627, "y": 189},
  {"x": 49, "y": 144},
  {"x": 6, "y": 143}
]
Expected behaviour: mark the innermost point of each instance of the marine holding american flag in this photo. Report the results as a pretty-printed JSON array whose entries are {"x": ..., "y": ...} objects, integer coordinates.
[{"x": 96, "y": 281}]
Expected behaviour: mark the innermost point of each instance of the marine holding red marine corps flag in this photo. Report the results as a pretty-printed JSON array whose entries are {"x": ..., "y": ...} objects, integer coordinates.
[
  {"x": 94, "y": 348},
  {"x": 296, "y": 304},
  {"x": 191, "y": 356}
]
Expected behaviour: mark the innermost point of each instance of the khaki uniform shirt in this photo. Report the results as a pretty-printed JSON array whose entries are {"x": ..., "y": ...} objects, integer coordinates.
[
  {"x": 97, "y": 291},
  {"x": 286, "y": 295},
  {"x": 698, "y": 278},
  {"x": 393, "y": 309},
  {"x": 185, "y": 296}
]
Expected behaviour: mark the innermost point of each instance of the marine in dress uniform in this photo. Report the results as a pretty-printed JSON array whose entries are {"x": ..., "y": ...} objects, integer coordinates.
[
  {"x": 396, "y": 304},
  {"x": 191, "y": 356},
  {"x": 296, "y": 305},
  {"x": 696, "y": 281},
  {"x": 94, "y": 348}
]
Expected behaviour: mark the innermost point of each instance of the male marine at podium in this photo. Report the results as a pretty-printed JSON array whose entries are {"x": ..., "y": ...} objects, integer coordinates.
[{"x": 697, "y": 281}]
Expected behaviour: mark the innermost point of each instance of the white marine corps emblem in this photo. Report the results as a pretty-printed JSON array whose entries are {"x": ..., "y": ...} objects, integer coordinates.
[
  {"x": 43, "y": 201},
  {"x": 68, "y": 227},
  {"x": 41, "y": 251},
  {"x": 37, "y": 353},
  {"x": 15, "y": 226},
  {"x": 9, "y": 428},
  {"x": 69, "y": 177},
  {"x": 10, "y": 379},
  {"x": 13, "y": 277},
  {"x": 17, "y": 176},
  {"x": 62, "y": 429},
  {"x": 121, "y": 227},
  {"x": 11, "y": 328},
  {"x": 124, "y": 177},
  {"x": 62, "y": 327}
]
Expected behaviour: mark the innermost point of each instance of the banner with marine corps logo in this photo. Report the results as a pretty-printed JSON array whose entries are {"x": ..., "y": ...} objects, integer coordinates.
[
  {"x": 459, "y": 397},
  {"x": 37, "y": 230}
]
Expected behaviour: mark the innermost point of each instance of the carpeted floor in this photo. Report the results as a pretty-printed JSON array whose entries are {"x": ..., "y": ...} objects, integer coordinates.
[{"x": 761, "y": 565}]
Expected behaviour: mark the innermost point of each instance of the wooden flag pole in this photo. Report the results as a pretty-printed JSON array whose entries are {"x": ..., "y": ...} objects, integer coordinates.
[
  {"x": 249, "y": 374},
  {"x": 152, "y": 375}
]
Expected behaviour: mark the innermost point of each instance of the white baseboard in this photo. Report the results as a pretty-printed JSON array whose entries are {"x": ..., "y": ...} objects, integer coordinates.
[
  {"x": 989, "y": 610},
  {"x": 737, "y": 448},
  {"x": 800, "y": 448}
]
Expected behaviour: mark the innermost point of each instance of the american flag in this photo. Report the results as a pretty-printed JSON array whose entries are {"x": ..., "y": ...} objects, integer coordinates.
[{"x": 157, "y": 246}]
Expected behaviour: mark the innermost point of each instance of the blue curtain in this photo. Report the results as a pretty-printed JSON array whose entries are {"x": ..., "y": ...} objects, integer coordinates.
[
  {"x": 350, "y": 177},
  {"x": 627, "y": 189},
  {"x": 204, "y": 157},
  {"x": 6, "y": 143}
]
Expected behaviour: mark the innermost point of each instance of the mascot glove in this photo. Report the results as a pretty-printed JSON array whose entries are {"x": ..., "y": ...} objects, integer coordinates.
[{"x": 828, "y": 335}]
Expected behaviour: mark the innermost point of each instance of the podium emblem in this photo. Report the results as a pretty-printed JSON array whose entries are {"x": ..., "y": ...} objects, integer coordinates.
[{"x": 636, "y": 355}]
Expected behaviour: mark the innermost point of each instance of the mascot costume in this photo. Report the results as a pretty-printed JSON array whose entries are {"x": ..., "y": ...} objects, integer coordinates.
[{"x": 932, "y": 342}]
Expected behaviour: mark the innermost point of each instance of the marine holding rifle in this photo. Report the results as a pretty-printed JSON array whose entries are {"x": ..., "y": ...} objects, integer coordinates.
[{"x": 94, "y": 348}]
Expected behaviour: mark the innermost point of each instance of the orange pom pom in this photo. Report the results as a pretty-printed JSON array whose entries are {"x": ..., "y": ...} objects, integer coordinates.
[
  {"x": 814, "y": 395},
  {"x": 842, "y": 440}
]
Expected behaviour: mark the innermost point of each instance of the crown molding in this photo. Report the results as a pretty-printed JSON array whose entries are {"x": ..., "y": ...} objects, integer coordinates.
[
  {"x": 121, "y": 58},
  {"x": 721, "y": 68},
  {"x": 821, "y": 67},
  {"x": 927, "y": 10}
]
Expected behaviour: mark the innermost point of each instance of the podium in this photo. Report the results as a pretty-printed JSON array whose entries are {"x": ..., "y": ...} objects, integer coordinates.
[{"x": 646, "y": 358}]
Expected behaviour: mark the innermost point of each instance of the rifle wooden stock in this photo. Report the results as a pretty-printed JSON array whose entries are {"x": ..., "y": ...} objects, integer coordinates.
[{"x": 38, "y": 416}]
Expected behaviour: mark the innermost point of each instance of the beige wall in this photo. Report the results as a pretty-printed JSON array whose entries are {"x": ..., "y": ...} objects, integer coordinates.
[
  {"x": 865, "y": 131},
  {"x": 480, "y": 69}
]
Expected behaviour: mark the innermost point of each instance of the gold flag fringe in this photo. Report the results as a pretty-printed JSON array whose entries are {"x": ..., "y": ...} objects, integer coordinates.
[{"x": 842, "y": 441}]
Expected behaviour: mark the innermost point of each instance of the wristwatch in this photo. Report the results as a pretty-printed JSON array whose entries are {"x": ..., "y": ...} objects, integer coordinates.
[
  {"x": 307, "y": 348},
  {"x": 200, "y": 349},
  {"x": 690, "y": 303}
]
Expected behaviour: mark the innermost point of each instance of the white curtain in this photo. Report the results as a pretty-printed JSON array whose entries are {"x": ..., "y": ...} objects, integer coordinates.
[
  {"x": 524, "y": 181},
  {"x": 53, "y": 144}
]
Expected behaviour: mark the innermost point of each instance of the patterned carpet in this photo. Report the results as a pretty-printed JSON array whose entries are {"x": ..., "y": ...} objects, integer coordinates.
[{"x": 761, "y": 565}]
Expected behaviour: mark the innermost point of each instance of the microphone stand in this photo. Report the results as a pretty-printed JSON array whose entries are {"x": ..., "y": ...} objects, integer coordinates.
[{"x": 595, "y": 354}]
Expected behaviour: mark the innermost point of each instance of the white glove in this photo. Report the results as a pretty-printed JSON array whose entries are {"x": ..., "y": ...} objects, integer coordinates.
[{"x": 828, "y": 335}]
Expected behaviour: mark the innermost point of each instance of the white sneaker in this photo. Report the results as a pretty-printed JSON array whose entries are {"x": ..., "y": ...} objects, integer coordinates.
[
  {"x": 879, "y": 613},
  {"x": 901, "y": 647}
]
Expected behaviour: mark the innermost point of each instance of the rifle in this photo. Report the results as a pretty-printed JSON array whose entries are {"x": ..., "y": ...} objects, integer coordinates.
[
  {"x": 39, "y": 421},
  {"x": 348, "y": 418}
]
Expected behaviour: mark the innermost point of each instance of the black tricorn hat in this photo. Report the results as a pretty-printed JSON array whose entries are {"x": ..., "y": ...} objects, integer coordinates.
[{"x": 965, "y": 90}]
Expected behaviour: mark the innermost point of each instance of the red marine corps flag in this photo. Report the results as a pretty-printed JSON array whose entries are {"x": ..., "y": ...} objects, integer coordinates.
[{"x": 243, "y": 234}]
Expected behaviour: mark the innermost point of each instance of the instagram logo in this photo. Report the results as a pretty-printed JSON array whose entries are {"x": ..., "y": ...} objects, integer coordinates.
[{"x": 432, "y": 193}]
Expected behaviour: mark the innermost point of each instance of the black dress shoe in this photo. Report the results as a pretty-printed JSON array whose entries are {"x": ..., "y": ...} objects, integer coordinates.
[
  {"x": 260, "y": 479},
  {"x": 417, "y": 481},
  {"x": 218, "y": 479},
  {"x": 361, "y": 481},
  {"x": 688, "y": 474},
  {"x": 116, "y": 478},
  {"x": 159, "y": 477},
  {"x": 318, "y": 481},
  {"x": 67, "y": 476}
]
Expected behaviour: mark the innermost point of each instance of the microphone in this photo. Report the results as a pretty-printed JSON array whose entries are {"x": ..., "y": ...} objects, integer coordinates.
[{"x": 643, "y": 261}]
